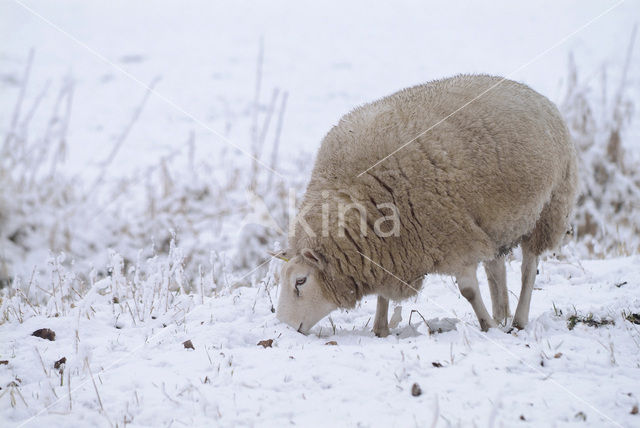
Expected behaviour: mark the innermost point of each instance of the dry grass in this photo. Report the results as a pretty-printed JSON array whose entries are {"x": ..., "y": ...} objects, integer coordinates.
[
  {"x": 606, "y": 221},
  {"x": 195, "y": 206}
]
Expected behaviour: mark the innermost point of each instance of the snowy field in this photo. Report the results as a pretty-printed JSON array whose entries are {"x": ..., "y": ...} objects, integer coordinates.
[
  {"x": 126, "y": 228},
  {"x": 546, "y": 375}
]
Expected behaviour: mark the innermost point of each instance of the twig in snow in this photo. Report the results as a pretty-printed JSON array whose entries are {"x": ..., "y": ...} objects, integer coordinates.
[
  {"x": 86, "y": 363},
  {"x": 46, "y": 373}
]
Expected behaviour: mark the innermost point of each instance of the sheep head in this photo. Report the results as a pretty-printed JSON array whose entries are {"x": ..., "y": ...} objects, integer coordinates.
[{"x": 301, "y": 303}]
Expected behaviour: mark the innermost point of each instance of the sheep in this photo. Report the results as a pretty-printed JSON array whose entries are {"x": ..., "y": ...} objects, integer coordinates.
[{"x": 435, "y": 178}]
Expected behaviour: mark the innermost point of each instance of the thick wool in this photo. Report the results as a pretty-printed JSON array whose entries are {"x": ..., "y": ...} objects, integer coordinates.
[{"x": 499, "y": 171}]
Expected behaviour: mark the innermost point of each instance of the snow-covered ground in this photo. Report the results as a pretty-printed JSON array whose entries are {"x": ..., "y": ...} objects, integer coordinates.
[
  {"x": 142, "y": 374},
  {"x": 121, "y": 321}
]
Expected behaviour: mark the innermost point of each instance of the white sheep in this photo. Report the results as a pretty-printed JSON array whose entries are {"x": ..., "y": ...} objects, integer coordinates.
[{"x": 432, "y": 179}]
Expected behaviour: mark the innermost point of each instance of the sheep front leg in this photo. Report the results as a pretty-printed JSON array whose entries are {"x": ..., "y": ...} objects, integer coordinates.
[
  {"x": 497, "y": 278},
  {"x": 381, "y": 323},
  {"x": 529, "y": 272},
  {"x": 468, "y": 285}
]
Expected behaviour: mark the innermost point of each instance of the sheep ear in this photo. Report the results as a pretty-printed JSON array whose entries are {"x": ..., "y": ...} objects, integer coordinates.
[
  {"x": 312, "y": 257},
  {"x": 282, "y": 254}
]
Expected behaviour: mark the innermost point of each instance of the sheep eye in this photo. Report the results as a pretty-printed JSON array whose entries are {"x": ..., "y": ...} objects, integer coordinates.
[{"x": 299, "y": 282}]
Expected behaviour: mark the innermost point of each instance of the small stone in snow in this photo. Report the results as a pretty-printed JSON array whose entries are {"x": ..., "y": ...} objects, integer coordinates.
[
  {"x": 4, "y": 362},
  {"x": 188, "y": 344},
  {"x": 45, "y": 333},
  {"x": 266, "y": 343},
  {"x": 415, "y": 390},
  {"x": 522, "y": 418},
  {"x": 436, "y": 364},
  {"x": 634, "y": 410}
]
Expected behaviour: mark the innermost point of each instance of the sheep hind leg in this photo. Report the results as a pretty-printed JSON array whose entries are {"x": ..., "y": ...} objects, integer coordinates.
[
  {"x": 381, "y": 323},
  {"x": 468, "y": 285},
  {"x": 497, "y": 278},
  {"x": 529, "y": 272}
]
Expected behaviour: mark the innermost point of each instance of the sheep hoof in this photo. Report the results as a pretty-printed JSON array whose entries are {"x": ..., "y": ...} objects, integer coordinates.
[
  {"x": 485, "y": 325},
  {"x": 381, "y": 331},
  {"x": 518, "y": 325}
]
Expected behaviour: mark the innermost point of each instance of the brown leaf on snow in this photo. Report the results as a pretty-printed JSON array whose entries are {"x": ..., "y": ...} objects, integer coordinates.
[
  {"x": 266, "y": 343},
  {"x": 332, "y": 343},
  {"x": 436, "y": 364},
  {"x": 45, "y": 333},
  {"x": 634, "y": 410},
  {"x": 4, "y": 362},
  {"x": 188, "y": 345},
  {"x": 558, "y": 355},
  {"x": 60, "y": 362}
]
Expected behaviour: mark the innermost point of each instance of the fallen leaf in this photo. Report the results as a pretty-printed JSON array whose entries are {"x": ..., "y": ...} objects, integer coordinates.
[
  {"x": 634, "y": 410},
  {"x": 188, "y": 344},
  {"x": 558, "y": 355},
  {"x": 266, "y": 343},
  {"x": 4, "y": 362},
  {"x": 436, "y": 364},
  {"x": 45, "y": 333},
  {"x": 331, "y": 342},
  {"x": 60, "y": 362},
  {"x": 415, "y": 390}
]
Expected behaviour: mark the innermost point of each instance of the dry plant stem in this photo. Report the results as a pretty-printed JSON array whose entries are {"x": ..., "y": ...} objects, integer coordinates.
[
  {"x": 423, "y": 318},
  {"x": 69, "y": 389},
  {"x": 267, "y": 119},
  {"x": 35, "y": 156},
  {"x": 60, "y": 154},
  {"x": 86, "y": 362},
  {"x": 104, "y": 165},
  {"x": 276, "y": 139},
  {"x": 53, "y": 390},
  {"x": 24, "y": 125},
  {"x": 18, "y": 107},
  {"x": 617, "y": 115},
  {"x": 255, "y": 138}
]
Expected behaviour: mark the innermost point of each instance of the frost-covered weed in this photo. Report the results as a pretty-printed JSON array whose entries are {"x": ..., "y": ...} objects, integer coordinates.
[
  {"x": 209, "y": 207},
  {"x": 606, "y": 219},
  {"x": 229, "y": 209}
]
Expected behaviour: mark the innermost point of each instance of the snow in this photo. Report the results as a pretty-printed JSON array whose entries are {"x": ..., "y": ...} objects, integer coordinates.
[
  {"x": 163, "y": 251},
  {"x": 547, "y": 374},
  {"x": 330, "y": 56}
]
